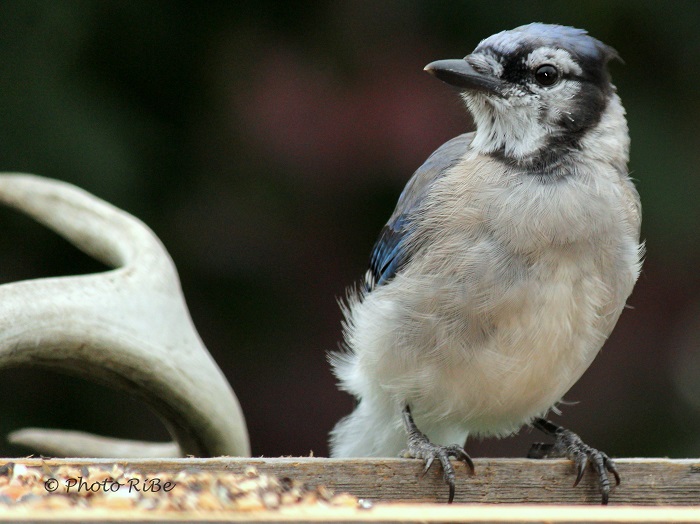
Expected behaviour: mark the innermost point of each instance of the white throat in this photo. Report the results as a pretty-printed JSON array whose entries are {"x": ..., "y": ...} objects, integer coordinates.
[{"x": 504, "y": 126}]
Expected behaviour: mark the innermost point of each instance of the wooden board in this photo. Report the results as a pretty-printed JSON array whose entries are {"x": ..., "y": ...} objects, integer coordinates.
[
  {"x": 648, "y": 482},
  {"x": 502, "y": 491}
]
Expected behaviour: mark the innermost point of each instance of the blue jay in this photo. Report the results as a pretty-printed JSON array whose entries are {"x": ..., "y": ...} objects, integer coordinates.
[{"x": 505, "y": 265}]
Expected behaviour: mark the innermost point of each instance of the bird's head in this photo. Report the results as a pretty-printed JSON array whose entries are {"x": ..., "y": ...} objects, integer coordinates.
[{"x": 535, "y": 91}]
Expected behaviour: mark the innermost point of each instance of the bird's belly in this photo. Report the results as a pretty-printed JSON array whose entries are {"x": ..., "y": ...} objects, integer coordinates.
[{"x": 537, "y": 340}]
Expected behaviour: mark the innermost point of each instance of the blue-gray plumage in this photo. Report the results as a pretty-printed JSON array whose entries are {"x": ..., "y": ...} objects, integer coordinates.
[
  {"x": 505, "y": 265},
  {"x": 390, "y": 252}
]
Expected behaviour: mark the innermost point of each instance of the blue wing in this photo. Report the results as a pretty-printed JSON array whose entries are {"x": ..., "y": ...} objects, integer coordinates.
[{"x": 390, "y": 252}]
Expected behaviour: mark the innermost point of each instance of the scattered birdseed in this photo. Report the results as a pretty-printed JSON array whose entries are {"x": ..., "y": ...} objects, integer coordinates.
[{"x": 123, "y": 488}]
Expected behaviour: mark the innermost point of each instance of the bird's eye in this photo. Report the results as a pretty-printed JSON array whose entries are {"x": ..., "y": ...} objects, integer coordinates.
[{"x": 547, "y": 75}]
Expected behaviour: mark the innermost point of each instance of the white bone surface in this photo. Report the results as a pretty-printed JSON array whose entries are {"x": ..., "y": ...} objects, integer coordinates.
[{"x": 128, "y": 327}]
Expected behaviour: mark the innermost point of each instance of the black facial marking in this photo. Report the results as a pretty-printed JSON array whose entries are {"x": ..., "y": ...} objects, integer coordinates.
[
  {"x": 588, "y": 108},
  {"x": 516, "y": 71},
  {"x": 584, "y": 113}
]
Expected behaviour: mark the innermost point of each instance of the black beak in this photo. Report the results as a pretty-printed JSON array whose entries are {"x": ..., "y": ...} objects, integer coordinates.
[{"x": 460, "y": 73}]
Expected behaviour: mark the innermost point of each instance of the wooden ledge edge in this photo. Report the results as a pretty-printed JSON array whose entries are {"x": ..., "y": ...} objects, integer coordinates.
[{"x": 389, "y": 513}]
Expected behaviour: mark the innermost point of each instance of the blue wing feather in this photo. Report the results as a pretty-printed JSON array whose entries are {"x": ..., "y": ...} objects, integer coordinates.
[{"x": 390, "y": 252}]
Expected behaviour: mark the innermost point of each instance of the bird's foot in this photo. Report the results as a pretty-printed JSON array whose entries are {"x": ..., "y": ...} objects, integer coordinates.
[
  {"x": 569, "y": 445},
  {"x": 420, "y": 447}
]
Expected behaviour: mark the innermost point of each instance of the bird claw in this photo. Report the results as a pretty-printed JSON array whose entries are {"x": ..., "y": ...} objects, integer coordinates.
[
  {"x": 581, "y": 466},
  {"x": 428, "y": 463},
  {"x": 569, "y": 445},
  {"x": 582, "y": 455},
  {"x": 420, "y": 447}
]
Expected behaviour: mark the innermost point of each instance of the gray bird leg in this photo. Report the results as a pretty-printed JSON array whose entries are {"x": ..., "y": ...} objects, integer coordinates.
[
  {"x": 569, "y": 445},
  {"x": 420, "y": 447}
]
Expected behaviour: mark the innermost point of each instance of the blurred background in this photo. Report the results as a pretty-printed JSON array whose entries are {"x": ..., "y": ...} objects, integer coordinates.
[{"x": 266, "y": 144}]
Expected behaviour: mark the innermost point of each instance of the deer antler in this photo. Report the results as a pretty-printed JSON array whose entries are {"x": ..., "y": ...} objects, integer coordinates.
[{"x": 128, "y": 327}]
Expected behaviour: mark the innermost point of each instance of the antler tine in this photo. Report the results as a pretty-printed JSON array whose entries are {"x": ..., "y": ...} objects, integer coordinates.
[{"x": 128, "y": 327}]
